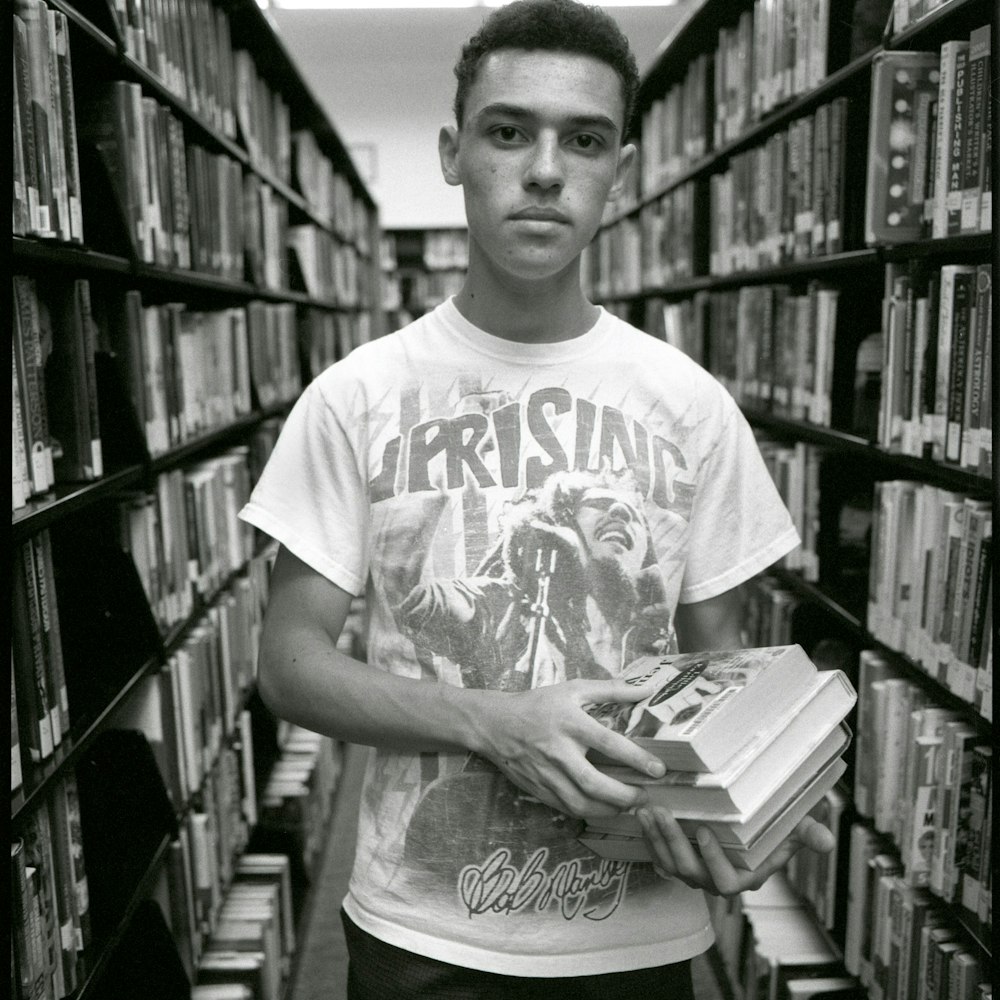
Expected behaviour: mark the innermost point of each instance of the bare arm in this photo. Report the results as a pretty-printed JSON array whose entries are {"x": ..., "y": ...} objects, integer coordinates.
[
  {"x": 538, "y": 738},
  {"x": 711, "y": 624}
]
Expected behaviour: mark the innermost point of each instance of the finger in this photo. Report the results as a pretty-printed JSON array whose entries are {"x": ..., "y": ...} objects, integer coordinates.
[
  {"x": 725, "y": 879},
  {"x": 812, "y": 834},
  {"x": 606, "y": 791},
  {"x": 616, "y": 689},
  {"x": 622, "y": 750},
  {"x": 688, "y": 865},
  {"x": 663, "y": 860}
]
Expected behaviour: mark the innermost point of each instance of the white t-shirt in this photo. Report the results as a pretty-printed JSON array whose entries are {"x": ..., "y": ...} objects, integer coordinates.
[{"x": 466, "y": 482}]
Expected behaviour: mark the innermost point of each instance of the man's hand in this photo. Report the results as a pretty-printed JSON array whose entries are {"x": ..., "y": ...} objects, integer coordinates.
[
  {"x": 707, "y": 867},
  {"x": 539, "y": 739}
]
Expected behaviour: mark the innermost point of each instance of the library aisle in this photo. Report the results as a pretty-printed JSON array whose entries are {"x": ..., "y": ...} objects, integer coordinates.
[{"x": 321, "y": 972}]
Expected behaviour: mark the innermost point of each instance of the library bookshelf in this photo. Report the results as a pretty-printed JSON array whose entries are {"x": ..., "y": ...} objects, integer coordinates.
[
  {"x": 423, "y": 267},
  {"x": 191, "y": 243},
  {"x": 796, "y": 226}
]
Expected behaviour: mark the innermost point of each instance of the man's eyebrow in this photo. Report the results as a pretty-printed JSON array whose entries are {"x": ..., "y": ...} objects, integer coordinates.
[{"x": 517, "y": 112}]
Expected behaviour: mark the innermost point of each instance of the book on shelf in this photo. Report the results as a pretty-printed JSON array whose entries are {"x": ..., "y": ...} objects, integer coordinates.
[
  {"x": 29, "y": 355},
  {"x": 222, "y": 991},
  {"x": 707, "y": 706},
  {"x": 38, "y": 699},
  {"x": 71, "y": 381},
  {"x": 947, "y": 164}
]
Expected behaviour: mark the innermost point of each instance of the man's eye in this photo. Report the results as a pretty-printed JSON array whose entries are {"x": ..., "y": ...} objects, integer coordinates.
[
  {"x": 587, "y": 141},
  {"x": 506, "y": 133}
]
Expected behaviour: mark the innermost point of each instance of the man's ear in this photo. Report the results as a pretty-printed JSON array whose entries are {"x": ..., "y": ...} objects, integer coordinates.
[
  {"x": 448, "y": 140},
  {"x": 626, "y": 162}
]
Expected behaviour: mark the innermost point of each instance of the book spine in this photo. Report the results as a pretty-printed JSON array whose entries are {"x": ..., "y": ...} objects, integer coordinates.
[
  {"x": 28, "y": 352},
  {"x": 48, "y": 605},
  {"x": 68, "y": 109},
  {"x": 976, "y": 108},
  {"x": 962, "y": 323},
  {"x": 953, "y": 53},
  {"x": 25, "y": 929},
  {"x": 26, "y": 120}
]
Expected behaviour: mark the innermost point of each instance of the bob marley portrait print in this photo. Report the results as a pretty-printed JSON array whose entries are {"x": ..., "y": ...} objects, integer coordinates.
[{"x": 520, "y": 542}]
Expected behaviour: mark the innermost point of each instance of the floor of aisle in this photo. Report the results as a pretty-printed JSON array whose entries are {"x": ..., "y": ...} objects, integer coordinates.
[{"x": 321, "y": 969}]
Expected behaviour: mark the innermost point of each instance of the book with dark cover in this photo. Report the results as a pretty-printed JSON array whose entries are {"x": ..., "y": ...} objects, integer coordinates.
[{"x": 707, "y": 706}]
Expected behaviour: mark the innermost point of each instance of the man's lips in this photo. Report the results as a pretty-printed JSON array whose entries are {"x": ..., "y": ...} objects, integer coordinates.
[
  {"x": 616, "y": 533},
  {"x": 540, "y": 215}
]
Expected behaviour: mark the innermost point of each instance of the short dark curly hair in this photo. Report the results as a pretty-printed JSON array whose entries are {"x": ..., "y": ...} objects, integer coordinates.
[{"x": 556, "y": 26}]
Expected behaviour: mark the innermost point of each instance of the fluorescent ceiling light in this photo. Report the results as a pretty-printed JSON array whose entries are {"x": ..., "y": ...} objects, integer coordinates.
[{"x": 412, "y": 4}]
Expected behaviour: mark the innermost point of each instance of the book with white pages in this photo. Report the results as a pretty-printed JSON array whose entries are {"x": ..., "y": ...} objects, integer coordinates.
[
  {"x": 625, "y": 847},
  {"x": 792, "y": 744}
]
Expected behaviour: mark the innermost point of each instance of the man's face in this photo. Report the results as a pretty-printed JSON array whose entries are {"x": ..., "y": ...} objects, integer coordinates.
[
  {"x": 538, "y": 156},
  {"x": 612, "y": 529}
]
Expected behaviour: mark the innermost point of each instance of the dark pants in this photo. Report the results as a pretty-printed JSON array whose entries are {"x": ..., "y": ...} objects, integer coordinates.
[{"x": 380, "y": 971}]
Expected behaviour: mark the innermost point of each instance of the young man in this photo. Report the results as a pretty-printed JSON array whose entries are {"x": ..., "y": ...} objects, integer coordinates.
[{"x": 531, "y": 493}]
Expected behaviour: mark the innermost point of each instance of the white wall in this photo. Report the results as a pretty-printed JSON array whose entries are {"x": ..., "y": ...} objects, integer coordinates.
[{"x": 385, "y": 79}]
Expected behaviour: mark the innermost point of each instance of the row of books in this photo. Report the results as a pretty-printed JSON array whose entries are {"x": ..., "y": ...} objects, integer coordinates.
[
  {"x": 923, "y": 779},
  {"x": 930, "y": 142},
  {"x": 296, "y": 801},
  {"x": 184, "y": 537},
  {"x": 773, "y": 348},
  {"x": 326, "y": 337},
  {"x": 772, "y": 949},
  {"x": 677, "y": 127},
  {"x": 187, "y": 45},
  {"x": 783, "y": 200},
  {"x": 645, "y": 252},
  {"x": 680, "y": 322},
  {"x": 247, "y": 955},
  {"x": 46, "y": 170},
  {"x": 666, "y": 228},
  {"x": 184, "y": 541},
  {"x": 328, "y": 193},
  {"x": 233, "y": 914},
  {"x": 263, "y": 118},
  {"x": 774, "y": 52},
  {"x": 425, "y": 290},
  {"x": 901, "y": 943},
  {"x": 937, "y": 344},
  {"x": 42, "y": 703},
  {"x": 795, "y": 469},
  {"x": 50, "y": 911},
  {"x": 446, "y": 249},
  {"x": 930, "y": 584},
  {"x": 330, "y": 269},
  {"x": 181, "y": 205},
  {"x": 190, "y": 371},
  {"x": 53, "y": 359},
  {"x": 193, "y": 708}
]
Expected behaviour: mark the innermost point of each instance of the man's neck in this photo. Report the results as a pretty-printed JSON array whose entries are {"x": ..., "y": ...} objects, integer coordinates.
[{"x": 547, "y": 311}]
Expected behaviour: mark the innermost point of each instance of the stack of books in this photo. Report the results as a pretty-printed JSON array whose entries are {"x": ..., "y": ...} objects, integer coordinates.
[{"x": 752, "y": 739}]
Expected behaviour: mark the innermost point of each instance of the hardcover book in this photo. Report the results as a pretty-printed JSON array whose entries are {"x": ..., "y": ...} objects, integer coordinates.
[{"x": 707, "y": 706}]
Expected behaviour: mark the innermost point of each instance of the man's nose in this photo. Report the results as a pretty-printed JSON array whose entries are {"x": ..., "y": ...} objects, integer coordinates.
[
  {"x": 622, "y": 511},
  {"x": 545, "y": 168}
]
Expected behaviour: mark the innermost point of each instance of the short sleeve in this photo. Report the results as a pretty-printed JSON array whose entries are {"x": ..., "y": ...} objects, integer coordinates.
[
  {"x": 739, "y": 523},
  {"x": 312, "y": 494}
]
